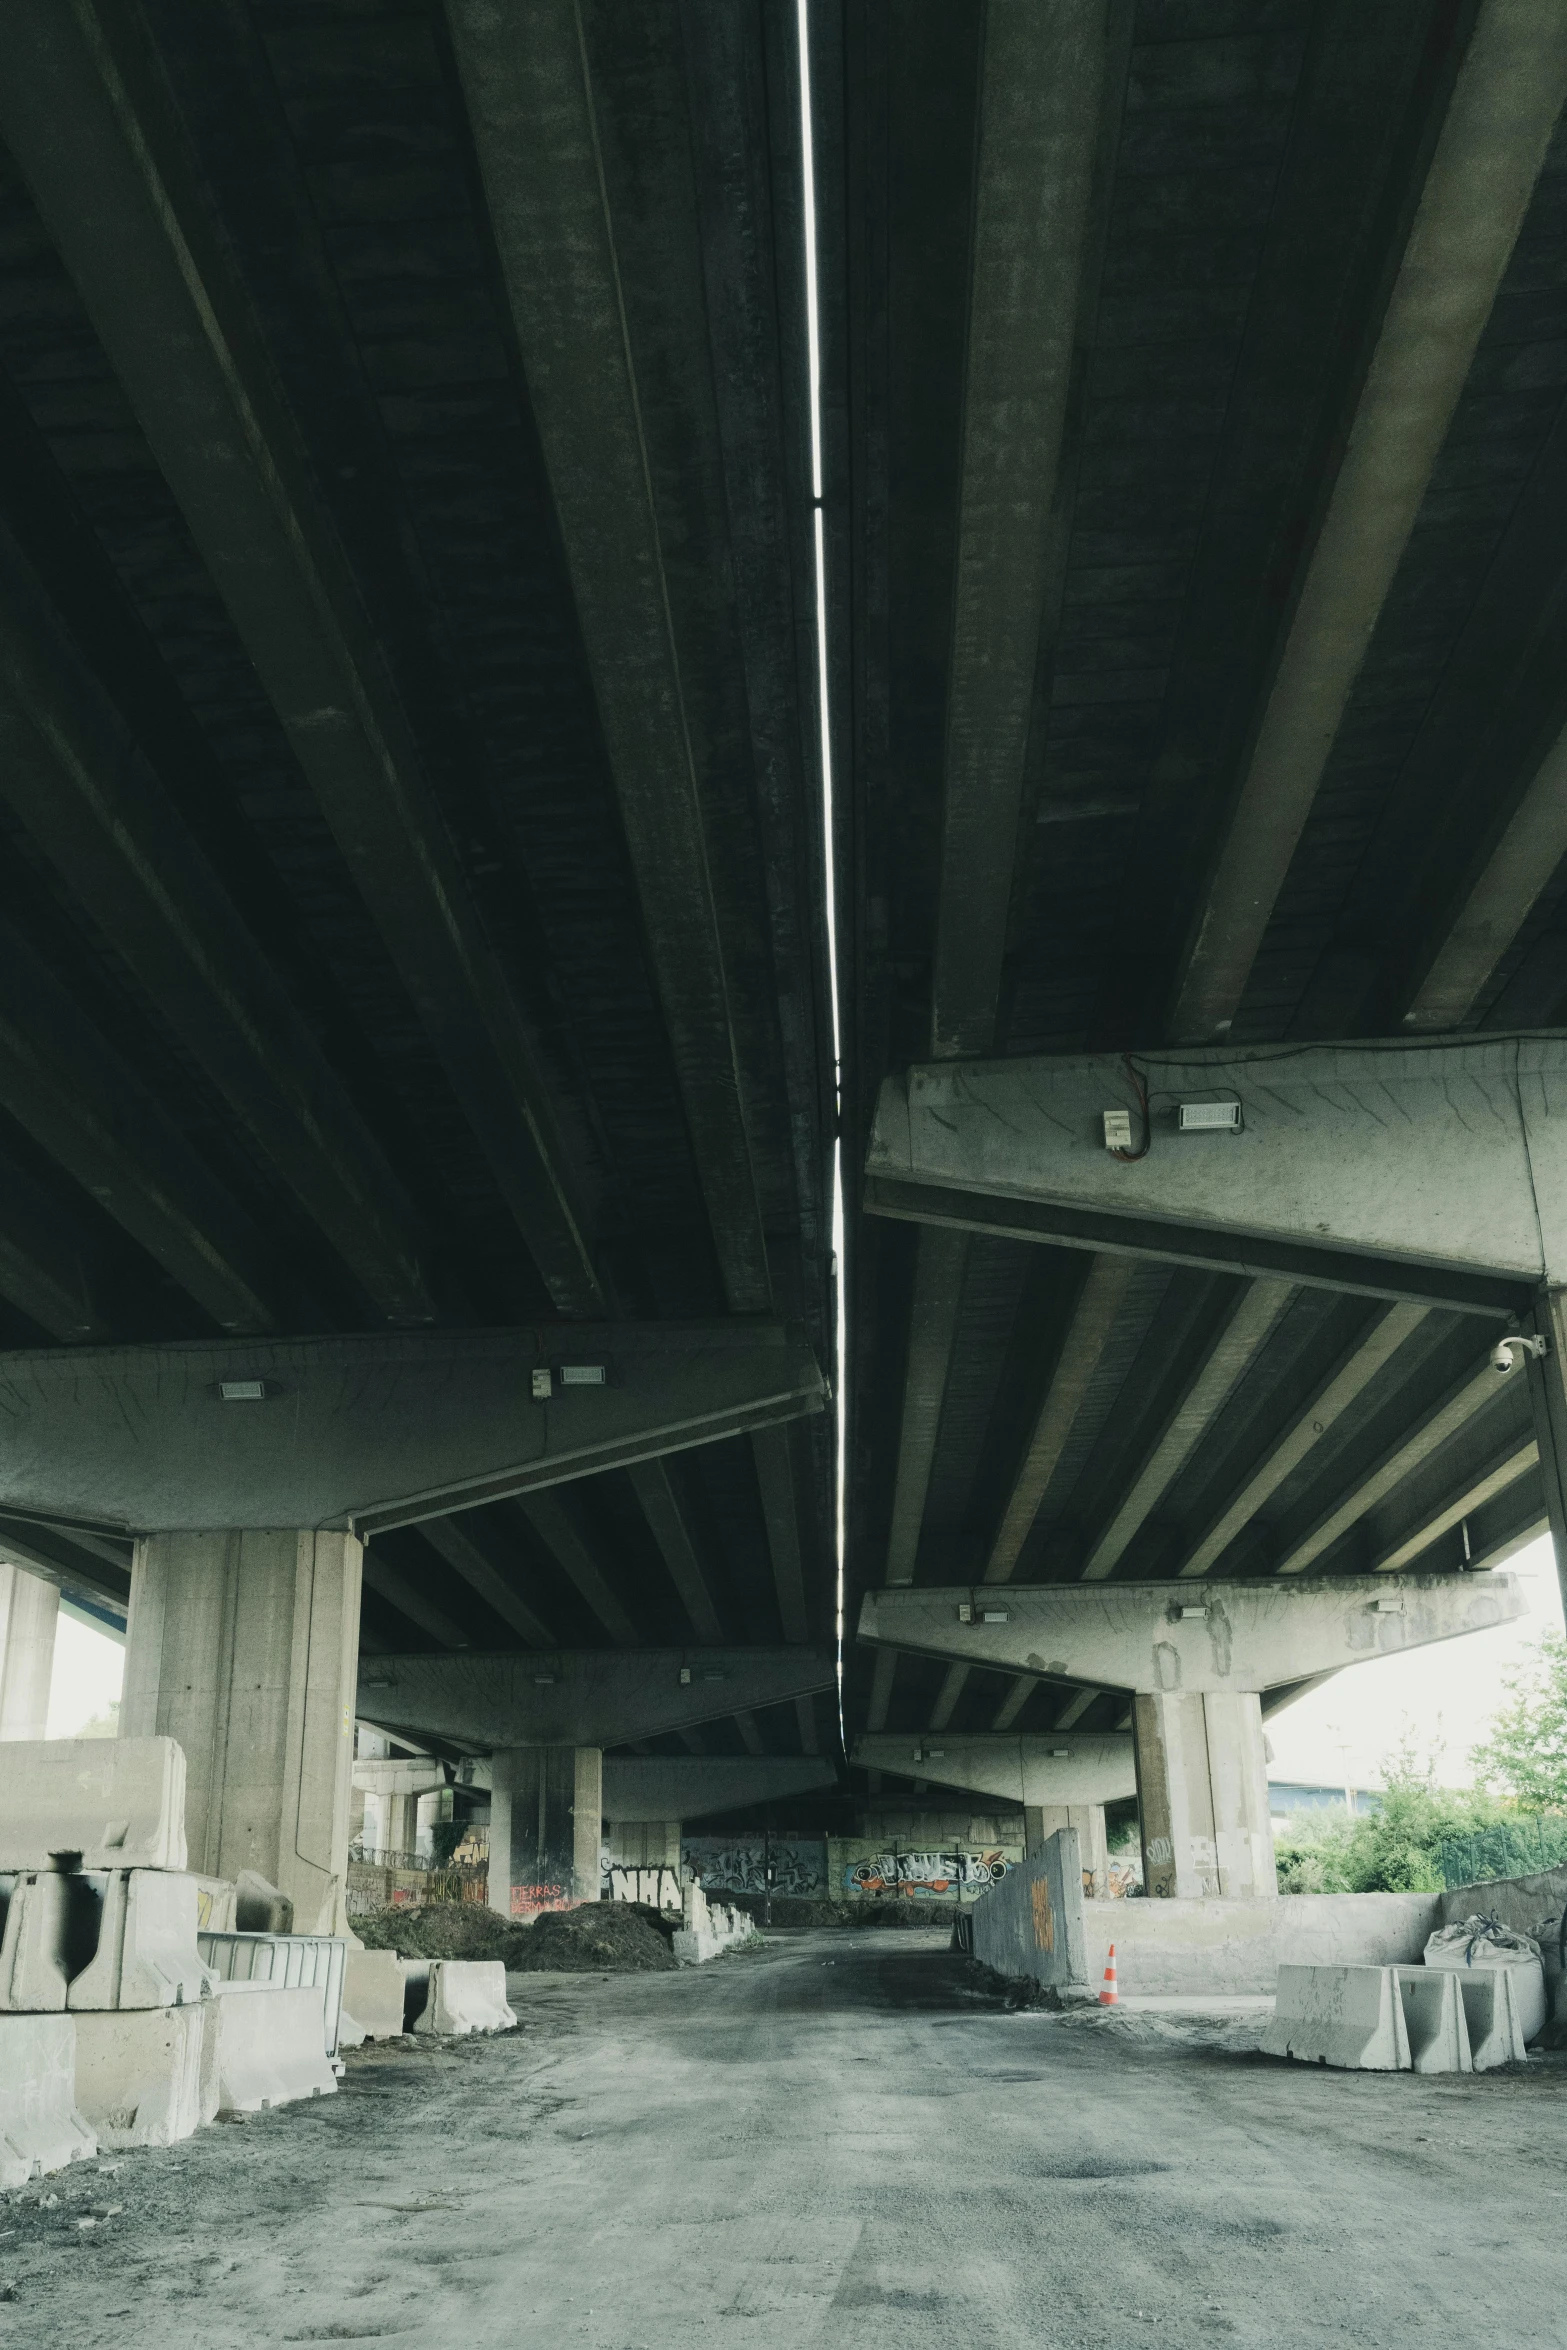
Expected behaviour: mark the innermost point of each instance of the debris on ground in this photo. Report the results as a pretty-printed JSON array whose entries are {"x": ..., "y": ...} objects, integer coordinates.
[
  {"x": 794, "y": 1909},
  {"x": 596, "y": 1937}
]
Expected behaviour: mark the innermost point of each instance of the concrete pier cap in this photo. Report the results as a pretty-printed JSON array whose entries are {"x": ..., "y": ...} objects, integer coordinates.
[
  {"x": 1046, "y": 1769},
  {"x": 1180, "y": 1636}
]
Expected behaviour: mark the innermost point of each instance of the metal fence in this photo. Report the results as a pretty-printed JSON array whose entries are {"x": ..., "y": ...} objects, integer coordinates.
[{"x": 1511, "y": 1848}]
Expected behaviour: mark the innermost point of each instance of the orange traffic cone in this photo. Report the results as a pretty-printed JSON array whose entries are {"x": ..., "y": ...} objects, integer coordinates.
[{"x": 1110, "y": 1995}]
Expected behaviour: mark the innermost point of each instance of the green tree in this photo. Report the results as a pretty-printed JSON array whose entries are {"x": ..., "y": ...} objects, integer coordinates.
[
  {"x": 1393, "y": 1849},
  {"x": 1525, "y": 1756}
]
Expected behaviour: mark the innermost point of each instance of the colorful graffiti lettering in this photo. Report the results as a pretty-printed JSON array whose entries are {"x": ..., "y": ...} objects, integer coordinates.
[
  {"x": 923, "y": 1875},
  {"x": 530, "y": 1901}
]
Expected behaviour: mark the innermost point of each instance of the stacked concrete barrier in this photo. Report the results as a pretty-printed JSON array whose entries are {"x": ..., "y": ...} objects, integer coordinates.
[
  {"x": 1434, "y": 2019},
  {"x": 465, "y": 1995},
  {"x": 139, "y": 2073},
  {"x": 1032, "y": 1922},
  {"x": 41, "y": 2128},
  {"x": 116, "y": 1802},
  {"x": 1497, "y": 2031},
  {"x": 1350, "y": 2017}
]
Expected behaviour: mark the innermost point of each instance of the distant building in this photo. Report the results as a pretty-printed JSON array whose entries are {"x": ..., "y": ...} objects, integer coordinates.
[{"x": 1291, "y": 1795}]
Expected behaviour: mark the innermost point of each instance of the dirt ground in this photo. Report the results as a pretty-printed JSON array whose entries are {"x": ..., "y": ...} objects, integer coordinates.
[{"x": 833, "y": 2139}]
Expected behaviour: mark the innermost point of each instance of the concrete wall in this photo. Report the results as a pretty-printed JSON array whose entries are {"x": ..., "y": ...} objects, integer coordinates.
[
  {"x": 1172, "y": 1947},
  {"x": 1031, "y": 1922}
]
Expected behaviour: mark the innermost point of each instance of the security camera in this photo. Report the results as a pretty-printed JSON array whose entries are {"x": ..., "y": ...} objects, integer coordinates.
[{"x": 1507, "y": 1352}]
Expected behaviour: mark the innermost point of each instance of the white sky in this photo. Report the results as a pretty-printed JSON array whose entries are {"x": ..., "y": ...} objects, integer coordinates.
[
  {"x": 1448, "y": 1693},
  {"x": 87, "y": 1670}
]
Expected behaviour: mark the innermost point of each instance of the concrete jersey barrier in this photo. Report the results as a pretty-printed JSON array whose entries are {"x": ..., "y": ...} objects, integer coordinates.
[
  {"x": 1434, "y": 2019},
  {"x": 373, "y": 1995},
  {"x": 1031, "y": 1923},
  {"x": 263, "y": 2048},
  {"x": 1199, "y": 1947},
  {"x": 1347, "y": 2016},
  {"x": 315, "y": 1961},
  {"x": 100, "y": 1938},
  {"x": 139, "y": 2074},
  {"x": 466, "y": 1995},
  {"x": 41, "y": 2128},
  {"x": 119, "y": 1802}
]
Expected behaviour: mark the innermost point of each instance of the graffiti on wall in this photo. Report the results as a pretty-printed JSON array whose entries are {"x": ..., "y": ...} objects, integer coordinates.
[
  {"x": 867, "y": 1873},
  {"x": 530, "y": 1901},
  {"x": 654, "y": 1888},
  {"x": 724, "y": 1864}
]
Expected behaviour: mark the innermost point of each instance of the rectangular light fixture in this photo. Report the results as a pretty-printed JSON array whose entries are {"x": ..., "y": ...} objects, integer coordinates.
[
  {"x": 1193, "y": 1615},
  {"x": 543, "y": 1680},
  {"x": 243, "y": 1390},
  {"x": 1209, "y": 1117},
  {"x": 584, "y": 1375},
  {"x": 1118, "y": 1130},
  {"x": 992, "y": 1615},
  {"x": 1060, "y": 1753}
]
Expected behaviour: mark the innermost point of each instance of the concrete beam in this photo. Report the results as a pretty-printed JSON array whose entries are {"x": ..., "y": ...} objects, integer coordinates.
[
  {"x": 76, "y": 781},
  {"x": 1243, "y": 1332},
  {"x": 1503, "y": 108},
  {"x": 110, "y": 180},
  {"x": 579, "y": 1697},
  {"x": 452, "y": 1542},
  {"x": 684, "y": 1786},
  {"x": 1339, "y": 1389},
  {"x": 1400, "y": 1170},
  {"x": 650, "y": 1483},
  {"x": 1041, "y": 81},
  {"x": 1048, "y": 1768},
  {"x": 524, "y": 74},
  {"x": 373, "y": 1432},
  {"x": 1159, "y": 1637},
  {"x": 1088, "y": 1333},
  {"x": 419, "y": 1774}
]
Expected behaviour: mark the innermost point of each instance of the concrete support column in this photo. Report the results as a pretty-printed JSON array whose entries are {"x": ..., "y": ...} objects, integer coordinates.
[
  {"x": 1548, "y": 1394},
  {"x": 29, "y": 1612},
  {"x": 1202, "y": 1789},
  {"x": 546, "y": 1804},
  {"x": 400, "y": 1822},
  {"x": 245, "y": 1646},
  {"x": 1041, "y": 1821}
]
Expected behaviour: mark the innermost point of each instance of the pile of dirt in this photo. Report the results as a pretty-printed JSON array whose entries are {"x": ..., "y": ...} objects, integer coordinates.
[
  {"x": 597, "y": 1937},
  {"x": 440, "y": 1929}
]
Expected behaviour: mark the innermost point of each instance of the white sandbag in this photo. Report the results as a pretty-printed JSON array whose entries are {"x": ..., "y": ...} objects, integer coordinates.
[
  {"x": 1348, "y": 2016},
  {"x": 41, "y": 2128},
  {"x": 1481, "y": 1941}
]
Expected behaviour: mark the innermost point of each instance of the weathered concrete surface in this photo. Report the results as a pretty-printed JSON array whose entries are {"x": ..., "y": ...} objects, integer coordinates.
[
  {"x": 832, "y": 2142},
  {"x": 1043, "y": 1768},
  {"x": 684, "y": 1786},
  {"x": 1164, "y": 1637},
  {"x": 1448, "y": 1158},
  {"x": 119, "y": 1802},
  {"x": 29, "y": 1615},
  {"x": 1032, "y": 1922},
  {"x": 580, "y": 1696},
  {"x": 1182, "y": 1948},
  {"x": 370, "y": 1432}
]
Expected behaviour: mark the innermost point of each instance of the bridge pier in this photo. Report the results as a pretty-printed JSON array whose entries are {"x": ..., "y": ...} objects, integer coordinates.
[
  {"x": 1202, "y": 1794},
  {"x": 546, "y": 1808},
  {"x": 244, "y": 1646},
  {"x": 29, "y": 1614}
]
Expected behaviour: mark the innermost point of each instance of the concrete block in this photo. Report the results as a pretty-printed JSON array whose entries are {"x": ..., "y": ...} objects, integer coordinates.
[
  {"x": 1491, "y": 2017},
  {"x": 263, "y": 2048},
  {"x": 119, "y": 1802},
  {"x": 466, "y": 1995},
  {"x": 312, "y": 1960},
  {"x": 1195, "y": 1948},
  {"x": 139, "y": 2073},
  {"x": 1528, "y": 1978},
  {"x": 35, "y": 1940},
  {"x": 373, "y": 1988},
  {"x": 1434, "y": 2019},
  {"x": 146, "y": 1954},
  {"x": 40, "y": 2126},
  {"x": 1350, "y": 2016},
  {"x": 214, "y": 1905}
]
